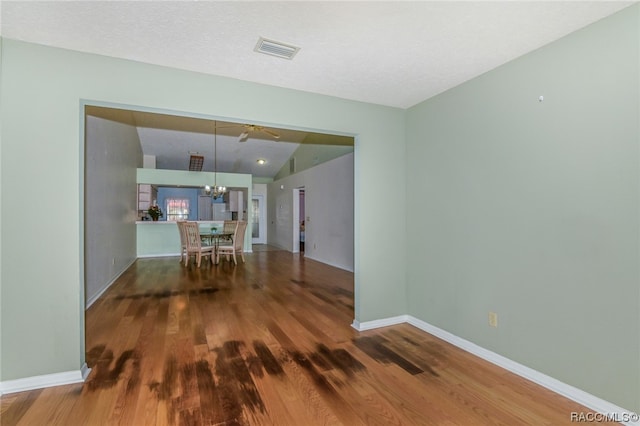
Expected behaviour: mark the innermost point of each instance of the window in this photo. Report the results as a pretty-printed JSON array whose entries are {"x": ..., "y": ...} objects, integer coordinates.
[{"x": 177, "y": 209}]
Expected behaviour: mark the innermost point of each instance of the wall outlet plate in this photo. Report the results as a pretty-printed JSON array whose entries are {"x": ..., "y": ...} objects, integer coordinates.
[{"x": 493, "y": 319}]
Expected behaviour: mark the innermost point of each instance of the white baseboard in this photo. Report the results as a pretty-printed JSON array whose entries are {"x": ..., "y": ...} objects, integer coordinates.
[
  {"x": 85, "y": 371},
  {"x": 145, "y": 256},
  {"x": 96, "y": 296},
  {"x": 386, "y": 322},
  {"x": 590, "y": 401},
  {"x": 45, "y": 381},
  {"x": 326, "y": 262}
]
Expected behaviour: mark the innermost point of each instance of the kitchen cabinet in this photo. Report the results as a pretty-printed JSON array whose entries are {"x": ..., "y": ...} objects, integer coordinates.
[
  {"x": 147, "y": 194},
  {"x": 236, "y": 201},
  {"x": 221, "y": 211}
]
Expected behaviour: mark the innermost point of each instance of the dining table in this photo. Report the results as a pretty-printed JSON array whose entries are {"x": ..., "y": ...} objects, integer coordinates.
[{"x": 213, "y": 237}]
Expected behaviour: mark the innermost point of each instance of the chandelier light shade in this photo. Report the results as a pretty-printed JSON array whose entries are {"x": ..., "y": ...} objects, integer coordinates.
[{"x": 215, "y": 190}]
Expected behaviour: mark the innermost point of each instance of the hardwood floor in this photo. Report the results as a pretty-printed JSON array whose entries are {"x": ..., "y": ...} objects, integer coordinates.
[{"x": 269, "y": 342}]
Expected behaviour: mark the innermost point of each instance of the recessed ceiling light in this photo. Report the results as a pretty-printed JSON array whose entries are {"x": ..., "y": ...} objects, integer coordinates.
[{"x": 261, "y": 161}]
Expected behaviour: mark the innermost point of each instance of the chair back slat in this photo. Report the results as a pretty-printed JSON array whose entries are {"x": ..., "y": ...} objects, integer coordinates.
[
  {"x": 230, "y": 226},
  {"x": 238, "y": 237},
  {"x": 192, "y": 235},
  {"x": 238, "y": 243},
  {"x": 183, "y": 239}
]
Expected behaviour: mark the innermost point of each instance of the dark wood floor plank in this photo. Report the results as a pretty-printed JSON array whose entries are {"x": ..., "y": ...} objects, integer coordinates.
[
  {"x": 20, "y": 405},
  {"x": 269, "y": 342}
]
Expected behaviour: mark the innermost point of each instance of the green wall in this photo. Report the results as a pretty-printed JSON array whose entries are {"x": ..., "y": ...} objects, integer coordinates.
[
  {"x": 308, "y": 156},
  {"x": 1, "y": 305},
  {"x": 42, "y": 92},
  {"x": 157, "y": 239},
  {"x": 531, "y": 210}
]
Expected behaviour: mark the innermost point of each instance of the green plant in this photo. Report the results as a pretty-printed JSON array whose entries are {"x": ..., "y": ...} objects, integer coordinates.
[{"x": 155, "y": 212}]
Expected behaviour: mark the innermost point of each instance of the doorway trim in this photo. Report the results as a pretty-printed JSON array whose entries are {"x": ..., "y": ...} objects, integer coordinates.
[
  {"x": 192, "y": 114},
  {"x": 262, "y": 219},
  {"x": 295, "y": 213}
]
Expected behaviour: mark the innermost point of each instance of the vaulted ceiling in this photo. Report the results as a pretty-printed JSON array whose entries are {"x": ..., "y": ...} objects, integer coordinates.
[
  {"x": 392, "y": 53},
  {"x": 172, "y": 140}
]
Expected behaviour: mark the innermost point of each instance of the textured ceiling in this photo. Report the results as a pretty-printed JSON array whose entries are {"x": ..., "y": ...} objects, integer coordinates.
[
  {"x": 384, "y": 52},
  {"x": 390, "y": 53}
]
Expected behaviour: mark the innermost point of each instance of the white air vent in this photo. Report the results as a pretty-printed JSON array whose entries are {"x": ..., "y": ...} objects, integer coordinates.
[{"x": 275, "y": 48}]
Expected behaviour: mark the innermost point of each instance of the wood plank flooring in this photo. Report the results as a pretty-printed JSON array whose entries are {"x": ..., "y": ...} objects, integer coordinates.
[{"x": 269, "y": 342}]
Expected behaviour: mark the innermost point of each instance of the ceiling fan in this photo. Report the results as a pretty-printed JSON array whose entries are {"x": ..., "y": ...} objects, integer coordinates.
[{"x": 251, "y": 128}]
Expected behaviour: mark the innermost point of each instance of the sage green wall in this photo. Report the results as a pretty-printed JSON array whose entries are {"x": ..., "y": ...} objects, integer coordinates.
[
  {"x": 42, "y": 89},
  {"x": 199, "y": 179},
  {"x": 261, "y": 180},
  {"x": 1, "y": 180},
  {"x": 308, "y": 156},
  {"x": 530, "y": 209}
]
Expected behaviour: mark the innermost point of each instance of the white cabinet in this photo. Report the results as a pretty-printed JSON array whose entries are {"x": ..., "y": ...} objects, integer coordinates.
[
  {"x": 146, "y": 195},
  {"x": 220, "y": 212},
  {"x": 236, "y": 202}
]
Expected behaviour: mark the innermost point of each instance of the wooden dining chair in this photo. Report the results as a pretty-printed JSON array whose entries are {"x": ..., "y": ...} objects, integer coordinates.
[
  {"x": 237, "y": 245},
  {"x": 183, "y": 239},
  {"x": 194, "y": 244},
  {"x": 229, "y": 227}
]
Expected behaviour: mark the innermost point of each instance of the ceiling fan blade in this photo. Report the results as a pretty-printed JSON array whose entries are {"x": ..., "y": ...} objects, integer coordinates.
[
  {"x": 229, "y": 126},
  {"x": 270, "y": 132}
]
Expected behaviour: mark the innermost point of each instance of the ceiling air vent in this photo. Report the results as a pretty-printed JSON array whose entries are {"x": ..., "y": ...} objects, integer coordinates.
[
  {"x": 275, "y": 48},
  {"x": 195, "y": 163}
]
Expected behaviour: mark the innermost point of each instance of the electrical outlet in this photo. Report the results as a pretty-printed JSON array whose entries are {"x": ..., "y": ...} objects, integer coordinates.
[{"x": 493, "y": 319}]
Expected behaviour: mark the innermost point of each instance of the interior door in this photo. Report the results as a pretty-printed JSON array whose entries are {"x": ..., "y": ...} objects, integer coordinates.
[
  {"x": 204, "y": 208},
  {"x": 258, "y": 220}
]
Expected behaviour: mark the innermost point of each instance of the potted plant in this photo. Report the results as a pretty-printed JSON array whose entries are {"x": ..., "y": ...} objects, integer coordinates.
[{"x": 155, "y": 212}]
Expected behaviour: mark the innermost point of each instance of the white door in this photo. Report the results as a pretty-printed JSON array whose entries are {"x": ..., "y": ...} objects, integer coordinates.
[
  {"x": 204, "y": 208},
  {"x": 258, "y": 220}
]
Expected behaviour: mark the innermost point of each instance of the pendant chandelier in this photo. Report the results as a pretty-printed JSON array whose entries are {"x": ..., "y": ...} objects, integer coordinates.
[{"x": 215, "y": 191}]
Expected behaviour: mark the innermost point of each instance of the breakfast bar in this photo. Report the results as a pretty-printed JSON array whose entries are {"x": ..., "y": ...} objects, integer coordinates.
[{"x": 161, "y": 238}]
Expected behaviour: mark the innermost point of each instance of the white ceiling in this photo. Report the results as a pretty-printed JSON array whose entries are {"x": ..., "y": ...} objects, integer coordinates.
[
  {"x": 384, "y": 52},
  {"x": 172, "y": 149},
  {"x": 392, "y": 53}
]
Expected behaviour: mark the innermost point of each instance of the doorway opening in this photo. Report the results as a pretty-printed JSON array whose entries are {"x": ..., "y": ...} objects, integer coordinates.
[
  {"x": 302, "y": 218},
  {"x": 258, "y": 220},
  {"x": 299, "y": 219},
  {"x": 104, "y": 263}
]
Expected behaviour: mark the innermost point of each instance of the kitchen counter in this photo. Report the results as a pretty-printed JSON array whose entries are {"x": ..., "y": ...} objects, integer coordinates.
[
  {"x": 168, "y": 222},
  {"x": 161, "y": 238}
]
